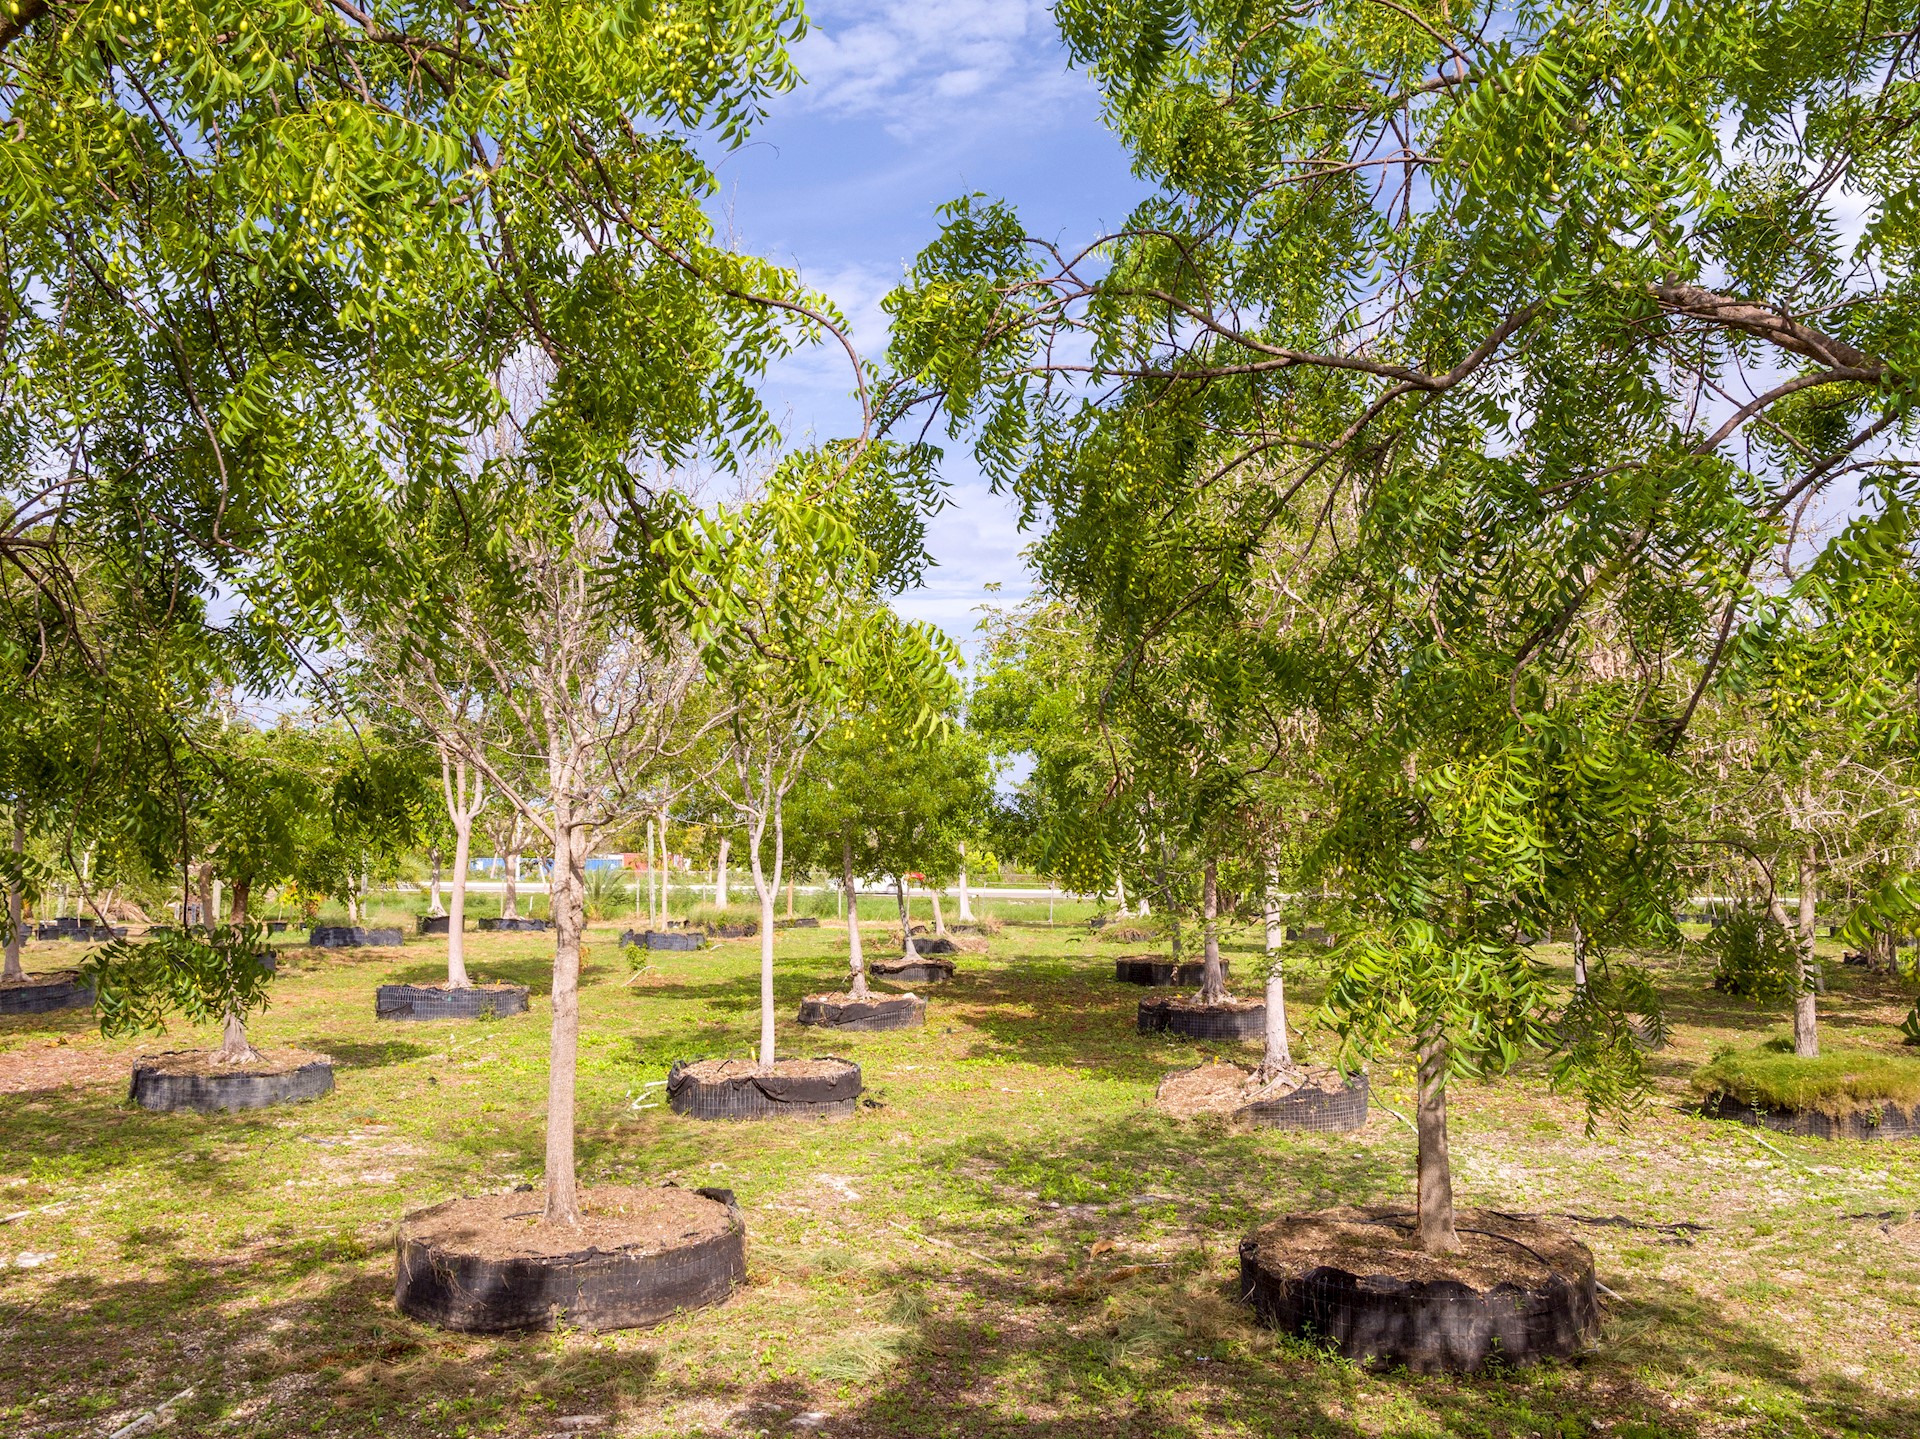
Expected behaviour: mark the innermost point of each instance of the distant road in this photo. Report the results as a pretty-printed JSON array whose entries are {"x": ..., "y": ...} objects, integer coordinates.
[{"x": 745, "y": 887}]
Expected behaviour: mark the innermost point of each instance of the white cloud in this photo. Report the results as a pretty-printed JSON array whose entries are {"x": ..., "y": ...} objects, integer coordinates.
[{"x": 908, "y": 63}]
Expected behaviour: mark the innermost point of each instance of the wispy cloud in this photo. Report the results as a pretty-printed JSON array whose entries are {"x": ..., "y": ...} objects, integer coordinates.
[{"x": 912, "y": 65}]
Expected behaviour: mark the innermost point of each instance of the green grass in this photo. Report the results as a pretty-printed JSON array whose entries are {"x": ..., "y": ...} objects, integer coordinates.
[
  {"x": 1009, "y": 1242},
  {"x": 1842, "y": 1080}
]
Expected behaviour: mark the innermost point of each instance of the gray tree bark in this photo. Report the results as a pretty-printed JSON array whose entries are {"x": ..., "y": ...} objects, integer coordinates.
[
  {"x": 856, "y": 961},
  {"x": 1434, "y": 1180},
  {"x": 1213, "y": 984}
]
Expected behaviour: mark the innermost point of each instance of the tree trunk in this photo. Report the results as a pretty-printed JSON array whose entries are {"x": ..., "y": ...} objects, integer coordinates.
[
  {"x": 1213, "y": 985},
  {"x": 765, "y": 886},
  {"x": 653, "y": 881},
  {"x": 234, "y": 1048},
  {"x": 720, "y": 876},
  {"x": 906, "y": 922},
  {"x": 1579, "y": 957},
  {"x": 939, "y": 920},
  {"x": 242, "y": 893},
  {"x": 856, "y": 962},
  {"x": 965, "y": 911},
  {"x": 16, "y": 905},
  {"x": 1435, "y": 1177},
  {"x": 567, "y": 905},
  {"x": 457, "y": 916},
  {"x": 1806, "y": 1032},
  {"x": 1279, "y": 1055},
  {"x": 666, "y": 875},
  {"x": 1120, "y": 894},
  {"x": 436, "y": 908}
]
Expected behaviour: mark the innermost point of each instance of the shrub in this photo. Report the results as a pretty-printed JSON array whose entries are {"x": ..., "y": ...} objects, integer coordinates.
[
  {"x": 821, "y": 903},
  {"x": 608, "y": 894},
  {"x": 1843, "y": 1080},
  {"x": 1131, "y": 932}
]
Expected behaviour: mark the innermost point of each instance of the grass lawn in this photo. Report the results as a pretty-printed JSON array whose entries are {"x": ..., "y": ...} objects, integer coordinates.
[{"x": 1009, "y": 1241}]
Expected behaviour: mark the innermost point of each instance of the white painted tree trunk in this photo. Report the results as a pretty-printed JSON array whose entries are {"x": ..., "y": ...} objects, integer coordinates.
[
  {"x": 720, "y": 875},
  {"x": 436, "y": 908},
  {"x": 766, "y": 886},
  {"x": 1120, "y": 893},
  {"x": 939, "y": 920}
]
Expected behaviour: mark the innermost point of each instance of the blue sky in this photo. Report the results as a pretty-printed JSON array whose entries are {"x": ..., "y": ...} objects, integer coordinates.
[{"x": 905, "y": 107}]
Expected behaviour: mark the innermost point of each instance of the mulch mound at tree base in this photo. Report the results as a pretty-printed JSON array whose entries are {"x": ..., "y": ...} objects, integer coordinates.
[
  {"x": 440, "y": 1001},
  {"x": 1190, "y": 1019},
  {"x": 876, "y": 1011},
  {"x": 44, "y": 993},
  {"x": 192, "y": 1079},
  {"x": 638, "y": 1256},
  {"x": 1305, "y": 1097},
  {"x": 1153, "y": 969},
  {"x": 787, "y": 1089},
  {"x": 662, "y": 939},
  {"x": 1357, "y": 1281},
  {"x": 927, "y": 969},
  {"x": 1890, "y": 1121}
]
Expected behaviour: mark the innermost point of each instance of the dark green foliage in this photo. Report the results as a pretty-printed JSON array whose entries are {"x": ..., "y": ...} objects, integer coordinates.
[
  {"x": 1753, "y": 956},
  {"x": 203, "y": 977}
]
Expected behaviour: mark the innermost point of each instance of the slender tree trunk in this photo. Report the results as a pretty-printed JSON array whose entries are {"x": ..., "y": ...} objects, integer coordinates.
[
  {"x": 457, "y": 915},
  {"x": 1806, "y": 1032},
  {"x": 1213, "y": 985},
  {"x": 720, "y": 875},
  {"x": 906, "y": 922},
  {"x": 1120, "y": 894},
  {"x": 965, "y": 912},
  {"x": 856, "y": 961},
  {"x": 1279, "y": 1055},
  {"x": 510, "y": 889},
  {"x": 653, "y": 881},
  {"x": 436, "y": 908},
  {"x": 666, "y": 875},
  {"x": 1579, "y": 957},
  {"x": 939, "y": 920},
  {"x": 16, "y": 905},
  {"x": 765, "y": 886},
  {"x": 567, "y": 906},
  {"x": 242, "y": 895},
  {"x": 205, "y": 879},
  {"x": 1435, "y": 1177}
]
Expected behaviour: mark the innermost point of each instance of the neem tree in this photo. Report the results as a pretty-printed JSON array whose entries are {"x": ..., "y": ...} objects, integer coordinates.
[
  {"x": 1527, "y": 331},
  {"x": 792, "y": 587}
]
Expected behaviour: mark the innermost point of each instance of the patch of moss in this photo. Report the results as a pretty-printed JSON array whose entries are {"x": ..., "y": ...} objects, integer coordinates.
[{"x": 1843, "y": 1080}]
